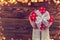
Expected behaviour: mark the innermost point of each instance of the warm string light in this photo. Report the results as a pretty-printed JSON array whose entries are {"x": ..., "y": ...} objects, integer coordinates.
[
  {"x": 29, "y": 38},
  {"x": 51, "y": 39},
  {"x": 12, "y": 1},
  {"x": 32, "y": 0},
  {"x": 26, "y": 1},
  {"x": 23, "y": 1},
  {"x": 35, "y": 0},
  {"x": 49, "y": 2},
  {"x": 29, "y": 3},
  {"x": 3, "y": 38},
  {"x": 12, "y": 38},
  {"x": 19, "y": 0},
  {"x": 59, "y": 37},
  {"x": 1, "y": 35},
  {"x": 40, "y": 0},
  {"x": 3, "y": 2},
  {"x": 56, "y": 1},
  {"x": 6, "y": 3}
]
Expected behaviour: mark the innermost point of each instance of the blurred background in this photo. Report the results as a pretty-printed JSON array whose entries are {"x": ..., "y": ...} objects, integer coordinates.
[{"x": 14, "y": 23}]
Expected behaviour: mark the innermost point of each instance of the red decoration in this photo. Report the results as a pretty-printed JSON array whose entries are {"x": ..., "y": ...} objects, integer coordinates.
[
  {"x": 42, "y": 9},
  {"x": 33, "y": 16},
  {"x": 51, "y": 19},
  {"x": 43, "y": 27}
]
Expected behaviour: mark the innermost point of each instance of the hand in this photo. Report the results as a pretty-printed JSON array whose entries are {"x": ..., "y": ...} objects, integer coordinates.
[
  {"x": 32, "y": 23},
  {"x": 49, "y": 24}
]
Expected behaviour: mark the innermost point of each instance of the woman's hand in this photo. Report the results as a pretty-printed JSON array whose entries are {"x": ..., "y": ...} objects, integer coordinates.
[
  {"x": 32, "y": 23},
  {"x": 50, "y": 24}
]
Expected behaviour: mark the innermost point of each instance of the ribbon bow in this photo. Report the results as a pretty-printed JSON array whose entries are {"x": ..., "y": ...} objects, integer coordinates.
[{"x": 42, "y": 18}]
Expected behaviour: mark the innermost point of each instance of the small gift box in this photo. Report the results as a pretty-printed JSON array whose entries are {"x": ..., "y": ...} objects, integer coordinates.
[{"x": 41, "y": 17}]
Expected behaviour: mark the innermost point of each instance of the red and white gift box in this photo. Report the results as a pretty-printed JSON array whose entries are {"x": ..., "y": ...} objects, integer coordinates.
[{"x": 41, "y": 17}]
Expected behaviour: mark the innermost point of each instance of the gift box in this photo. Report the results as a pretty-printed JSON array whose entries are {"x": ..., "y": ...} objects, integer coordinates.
[{"x": 41, "y": 17}]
